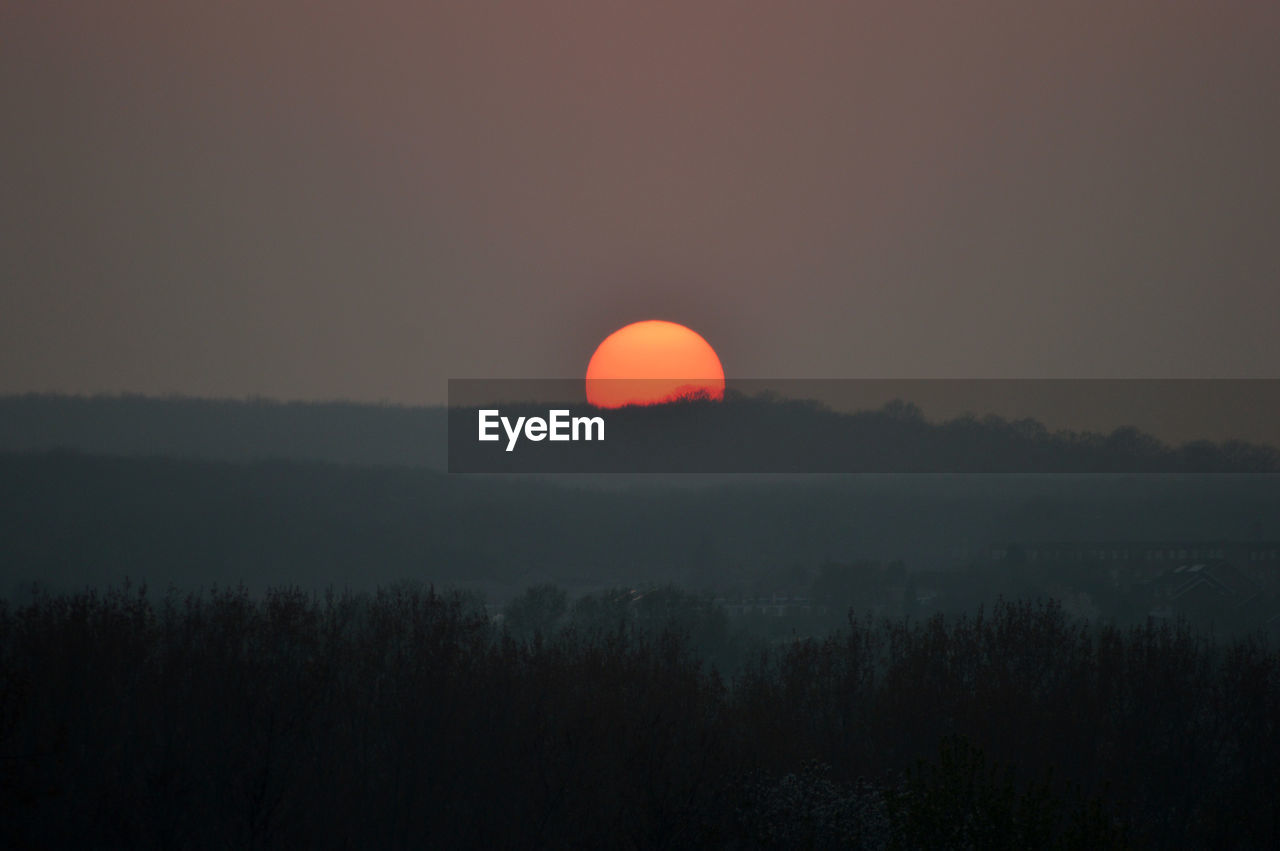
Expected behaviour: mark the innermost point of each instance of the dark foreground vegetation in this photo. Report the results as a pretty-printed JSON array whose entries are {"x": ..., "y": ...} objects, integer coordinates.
[{"x": 409, "y": 719}]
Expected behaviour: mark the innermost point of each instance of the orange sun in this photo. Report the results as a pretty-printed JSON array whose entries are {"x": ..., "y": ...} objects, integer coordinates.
[{"x": 650, "y": 362}]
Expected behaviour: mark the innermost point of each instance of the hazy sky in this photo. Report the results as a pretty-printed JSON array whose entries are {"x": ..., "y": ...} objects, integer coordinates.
[{"x": 359, "y": 200}]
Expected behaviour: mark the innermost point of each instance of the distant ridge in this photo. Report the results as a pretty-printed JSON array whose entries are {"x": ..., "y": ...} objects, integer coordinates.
[{"x": 742, "y": 434}]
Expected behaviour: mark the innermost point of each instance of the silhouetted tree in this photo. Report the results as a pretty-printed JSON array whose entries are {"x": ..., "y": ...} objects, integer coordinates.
[{"x": 536, "y": 613}]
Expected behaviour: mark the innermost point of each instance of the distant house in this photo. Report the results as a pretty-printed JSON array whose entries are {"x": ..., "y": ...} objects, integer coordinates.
[
  {"x": 1220, "y": 580},
  {"x": 1205, "y": 591}
]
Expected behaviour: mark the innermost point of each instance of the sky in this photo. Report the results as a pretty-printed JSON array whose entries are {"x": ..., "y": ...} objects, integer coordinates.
[{"x": 320, "y": 200}]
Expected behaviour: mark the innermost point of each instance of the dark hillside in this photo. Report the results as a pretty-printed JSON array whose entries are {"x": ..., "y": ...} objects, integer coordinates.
[{"x": 68, "y": 520}]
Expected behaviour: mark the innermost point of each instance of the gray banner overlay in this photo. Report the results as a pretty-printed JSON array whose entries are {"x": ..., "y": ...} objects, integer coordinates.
[{"x": 872, "y": 426}]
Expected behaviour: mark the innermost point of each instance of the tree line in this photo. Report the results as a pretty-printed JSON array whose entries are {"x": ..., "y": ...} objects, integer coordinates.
[{"x": 411, "y": 718}]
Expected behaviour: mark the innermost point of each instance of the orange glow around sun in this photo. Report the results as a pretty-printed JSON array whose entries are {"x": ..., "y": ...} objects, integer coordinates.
[{"x": 650, "y": 362}]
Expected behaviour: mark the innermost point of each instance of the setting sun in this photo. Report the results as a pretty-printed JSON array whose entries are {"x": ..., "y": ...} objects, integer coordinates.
[{"x": 650, "y": 362}]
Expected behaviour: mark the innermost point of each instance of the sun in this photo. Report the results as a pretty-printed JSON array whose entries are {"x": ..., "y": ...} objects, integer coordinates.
[{"x": 650, "y": 362}]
